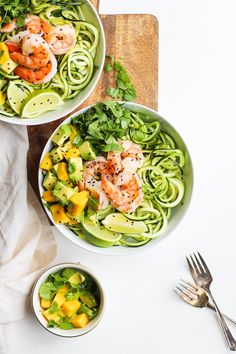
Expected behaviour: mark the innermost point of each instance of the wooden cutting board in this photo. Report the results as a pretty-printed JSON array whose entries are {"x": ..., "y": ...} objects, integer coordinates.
[{"x": 134, "y": 38}]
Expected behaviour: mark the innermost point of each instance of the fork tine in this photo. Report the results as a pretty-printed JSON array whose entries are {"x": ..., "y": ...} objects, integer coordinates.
[
  {"x": 195, "y": 266},
  {"x": 182, "y": 293},
  {"x": 191, "y": 285},
  {"x": 192, "y": 270},
  {"x": 189, "y": 289},
  {"x": 204, "y": 264},
  {"x": 202, "y": 270}
]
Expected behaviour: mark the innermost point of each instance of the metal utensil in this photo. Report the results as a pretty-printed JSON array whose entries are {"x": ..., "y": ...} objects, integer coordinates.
[
  {"x": 196, "y": 296},
  {"x": 203, "y": 278}
]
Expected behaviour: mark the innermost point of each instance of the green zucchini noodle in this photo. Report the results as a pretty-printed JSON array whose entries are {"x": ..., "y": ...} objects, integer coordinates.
[{"x": 76, "y": 67}]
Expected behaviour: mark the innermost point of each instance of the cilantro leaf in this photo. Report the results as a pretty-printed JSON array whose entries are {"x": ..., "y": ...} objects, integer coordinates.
[
  {"x": 47, "y": 290},
  {"x": 54, "y": 307},
  {"x": 124, "y": 89},
  {"x": 72, "y": 167},
  {"x": 65, "y": 325},
  {"x": 68, "y": 272}
]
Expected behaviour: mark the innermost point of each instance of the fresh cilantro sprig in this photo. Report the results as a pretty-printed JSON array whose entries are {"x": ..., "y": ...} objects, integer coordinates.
[
  {"x": 124, "y": 89},
  {"x": 103, "y": 125}
]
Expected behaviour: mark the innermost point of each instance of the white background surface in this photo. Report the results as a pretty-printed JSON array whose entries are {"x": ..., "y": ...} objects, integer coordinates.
[{"x": 197, "y": 86}]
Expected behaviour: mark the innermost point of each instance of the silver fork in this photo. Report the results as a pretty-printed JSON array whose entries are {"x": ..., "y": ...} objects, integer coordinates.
[
  {"x": 203, "y": 278},
  {"x": 196, "y": 296}
]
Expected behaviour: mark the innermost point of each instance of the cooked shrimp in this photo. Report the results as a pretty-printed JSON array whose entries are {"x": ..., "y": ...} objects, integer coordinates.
[
  {"x": 35, "y": 52},
  {"x": 37, "y": 63},
  {"x": 9, "y": 27},
  {"x": 59, "y": 38},
  {"x": 32, "y": 23},
  {"x": 125, "y": 197},
  {"x": 114, "y": 162},
  {"x": 128, "y": 160},
  {"x": 91, "y": 180}
]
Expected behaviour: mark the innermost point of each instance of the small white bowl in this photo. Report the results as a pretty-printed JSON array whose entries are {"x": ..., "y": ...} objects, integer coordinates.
[
  {"x": 70, "y": 105},
  {"x": 75, "y": 332},
  {"x": 177, "y": 214}
]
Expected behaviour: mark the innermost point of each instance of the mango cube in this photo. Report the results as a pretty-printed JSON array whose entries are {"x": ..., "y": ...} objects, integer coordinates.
[
  {"x": 51, "y": 316},
  {"x": 79, "y": 202},
  {"x": 58, "y": 214},
  {"x": 45, "y": 304},
  {"x": 73, "y": 134},
  {"x": 72, "y": 153},
  {"x": 62, "y": 171},
  {"x": 49, "y": 197},
  {"x": 59, "y": 299},
  {"x": 70, "y": 307},
  {"x": 80, "y": 320},
  {"x": 46, "y": 163}
]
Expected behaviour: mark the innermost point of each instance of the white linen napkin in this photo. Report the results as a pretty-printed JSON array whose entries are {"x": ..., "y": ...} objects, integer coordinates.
[{"x": 26, "y": 240}]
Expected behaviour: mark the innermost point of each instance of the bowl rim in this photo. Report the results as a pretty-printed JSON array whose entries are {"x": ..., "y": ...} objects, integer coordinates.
[
  {"x": 34, "y": 121},
  {"x": 85, "y": 244},
  {"x": 78, "y": 266}
]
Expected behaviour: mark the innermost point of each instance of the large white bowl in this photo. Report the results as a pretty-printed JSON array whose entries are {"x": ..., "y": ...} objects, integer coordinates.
[
  {"x": 35, "y": 301},
  {"x": 177, "y": 213},
  {"x": 93, "y": 17}
]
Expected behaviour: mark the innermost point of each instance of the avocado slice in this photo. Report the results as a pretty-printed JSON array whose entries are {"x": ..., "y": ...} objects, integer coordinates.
[
  {"x": 88, "y": 299},
  {"x": 9, "y": 66},
  {"x": 57, "y": 155},
  {"x": 91, "y": 313},
  {"x": 49, "y": 181},
  {"x": 75, "y": 169},
  {"x": 62, "y": 192},
  {"x": 61, "y": 134},
  {"x": 86, "y": 151},
  {"x": 76, "y": 278}
]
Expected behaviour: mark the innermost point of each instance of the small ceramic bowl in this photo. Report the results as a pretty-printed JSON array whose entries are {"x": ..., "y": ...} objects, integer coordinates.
[{"x": 75, "y": 332}]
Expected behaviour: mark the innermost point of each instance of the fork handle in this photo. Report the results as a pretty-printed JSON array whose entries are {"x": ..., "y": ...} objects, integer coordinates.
[
  {"x": 228, "y": 335},
  {"x": 210, "y": 306}
]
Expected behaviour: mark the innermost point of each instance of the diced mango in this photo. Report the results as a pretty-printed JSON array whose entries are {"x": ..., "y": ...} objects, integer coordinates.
[
  {"x": 79, "y": 202},
  {"x": 72, "y": 153},
  {"x": 4, "y": 56},
  {"x": 49, "y": 197},
  {"x": 46, "y": 163},
  {"x": 45, "y": 304},
  {"x": 58, "y": 214},
  {"x": 80, "y": 320},
  {"x": 51, "y": 316},
  {"x": 62, "y": 171},
  {"x": 70, "y": 307},
  {"x": 2, "y": 98},
  {"x": 63, "y": 290},
  {"x": 73, "y": 134},
  {"x": 59, "y": 299}
]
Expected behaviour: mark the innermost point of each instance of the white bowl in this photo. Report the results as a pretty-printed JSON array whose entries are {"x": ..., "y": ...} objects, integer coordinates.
[
  {"x": 177, "y": 214},
  {"x": 70, "y": 105},
  {"x": 75, "y": 332}
]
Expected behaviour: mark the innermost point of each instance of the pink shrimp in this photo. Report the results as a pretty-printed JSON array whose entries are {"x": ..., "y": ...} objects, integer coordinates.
[
  {"x": 9, "y": 27},
  {"x": 59, "y": 38},
  {"x": 125, "y": 195},
  {"x": 32, "y": 23},
  {"x": 36, "y": 62},
  {"x": 91, "y": 180}
]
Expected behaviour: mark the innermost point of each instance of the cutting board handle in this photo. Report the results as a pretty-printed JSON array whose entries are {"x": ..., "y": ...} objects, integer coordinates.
[{"x": 95, "y": 4}]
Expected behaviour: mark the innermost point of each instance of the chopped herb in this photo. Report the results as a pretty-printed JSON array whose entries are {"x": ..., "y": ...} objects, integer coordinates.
[{"x": 124, "y": 89}]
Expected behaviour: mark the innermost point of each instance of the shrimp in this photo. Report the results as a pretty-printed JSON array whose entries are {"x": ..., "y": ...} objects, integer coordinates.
[
  {"x": 90, "y": 181},
  {"x": 9, "y": 27},
  {"x": 128, "y": 160},
  {"x": 36, "y": 62},
  {"x": 35, "y": 52},
  {"x": 32, "y": 23},
  {"x": 60, "y": 38},
  {"x": 125, "y": 196}
]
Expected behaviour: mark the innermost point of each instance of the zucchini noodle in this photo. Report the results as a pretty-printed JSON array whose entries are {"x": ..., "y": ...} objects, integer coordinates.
[{"x": 76, "y": 67}]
